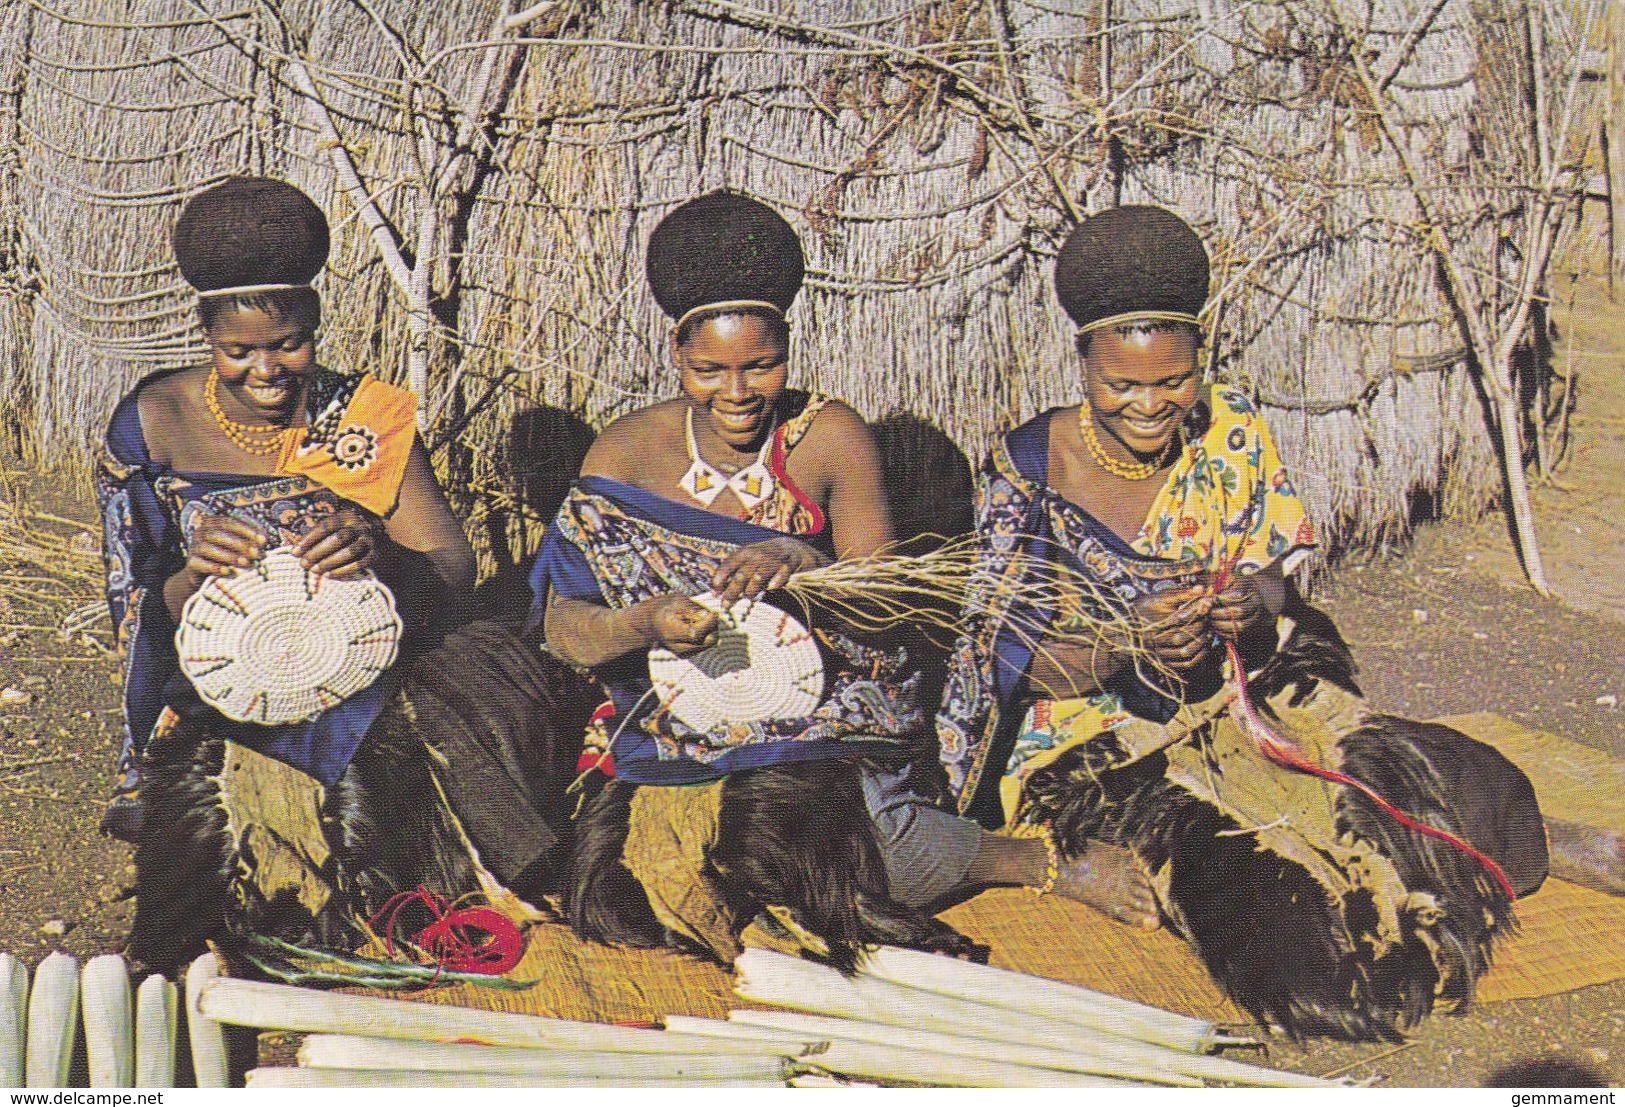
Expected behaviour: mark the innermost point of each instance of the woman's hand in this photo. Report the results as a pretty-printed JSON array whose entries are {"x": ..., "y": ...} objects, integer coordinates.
[
  {"x": 761, "y": 567},
  {"x": 1170, "y": 629},
  {"x": 221, "y": 545},
  {"x": 1238, "y": 607},
  {"x": 342, "y": 545},
  {"x": 677, "y": 623},
  {"x": 1175, "y": 628}
]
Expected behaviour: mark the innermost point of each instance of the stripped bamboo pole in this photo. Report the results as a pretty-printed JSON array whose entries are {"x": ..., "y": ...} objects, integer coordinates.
[
  {"x": 1104, "y": 1063},
  {"x": 790, "y": 982},
  {"x": 53, "y": 1016},
  {"x": 155, "y": 1033},
  {"x": 207, "y": 1040},
  {"x": 13, "y": 1019},
  {"x": 884, "y": 1062},
  {"x": 409, "y": 1078},
  {"x": 104, "y": 996},
  {"x": 1042, "y": 998},
  {"x": 283, "y": 1007},
  {"x": 792, "y": 1044},
  {"x": 348, "y": 1051}
]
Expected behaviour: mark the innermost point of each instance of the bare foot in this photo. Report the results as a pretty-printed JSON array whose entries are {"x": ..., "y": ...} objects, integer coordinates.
[
  {"x": 1590, "y": 855},
  {"x": 1110, "y": 879}
]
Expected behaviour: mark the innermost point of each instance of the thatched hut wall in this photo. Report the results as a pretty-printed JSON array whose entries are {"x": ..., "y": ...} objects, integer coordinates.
[{"x": 932, "y": 154}]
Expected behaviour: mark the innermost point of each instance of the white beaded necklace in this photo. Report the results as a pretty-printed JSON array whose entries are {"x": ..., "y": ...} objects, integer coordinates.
[{"x": 705, "y": 482}]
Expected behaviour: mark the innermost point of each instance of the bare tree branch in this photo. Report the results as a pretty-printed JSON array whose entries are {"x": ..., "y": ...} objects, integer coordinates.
[
  {"x": 383, "y": 233},
  {"x": 1407, "y": 45}
]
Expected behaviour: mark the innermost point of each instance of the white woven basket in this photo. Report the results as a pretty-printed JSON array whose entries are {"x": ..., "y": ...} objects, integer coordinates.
[
  {"x": 275, "y": 643},
  {"x": 764, "y": 666}
]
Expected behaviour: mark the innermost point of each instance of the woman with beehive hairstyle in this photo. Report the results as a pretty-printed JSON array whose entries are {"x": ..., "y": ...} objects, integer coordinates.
[
  {"x": 1165, "y": 500},
  {"x": 731, "y": 488},
  {"x": 206, "y": 468},
  {"x": 1106, "y": 487}
]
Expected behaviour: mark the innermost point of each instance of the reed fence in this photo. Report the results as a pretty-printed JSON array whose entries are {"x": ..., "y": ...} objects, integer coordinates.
[{"x": 1381, "y": 183}]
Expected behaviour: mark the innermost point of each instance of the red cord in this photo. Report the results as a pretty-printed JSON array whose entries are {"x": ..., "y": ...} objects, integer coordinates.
[{"x": 478, "y": 940}]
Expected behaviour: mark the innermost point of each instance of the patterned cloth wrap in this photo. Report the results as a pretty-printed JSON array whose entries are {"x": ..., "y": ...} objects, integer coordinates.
[
  {"x": 354, "y": 452},
  {"x": 615, "y": 544},
  {"x": 1228, "y": 501}
]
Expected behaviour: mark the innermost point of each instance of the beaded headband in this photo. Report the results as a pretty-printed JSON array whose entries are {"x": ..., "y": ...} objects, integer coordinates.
[
  {"x": 241, "y": 289},
  {"x": 723, "y": 306},
  {"x": 1138, "y": 316}
]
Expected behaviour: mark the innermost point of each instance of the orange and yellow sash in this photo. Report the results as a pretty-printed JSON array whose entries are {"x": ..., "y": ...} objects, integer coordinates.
[{"x": 359, "y": 449}]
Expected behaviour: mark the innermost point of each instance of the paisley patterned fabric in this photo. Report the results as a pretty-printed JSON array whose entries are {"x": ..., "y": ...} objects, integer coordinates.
[
  {"x": 1227, "y": 502},
  {"x": 615, "y": 544},
  {"x": 150, "y": 514}
]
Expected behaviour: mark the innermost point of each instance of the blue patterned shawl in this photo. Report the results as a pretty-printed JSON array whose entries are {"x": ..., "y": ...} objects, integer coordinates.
[
  {"x": 149, "y": 514},
  {"x": 614, "y": 544}
]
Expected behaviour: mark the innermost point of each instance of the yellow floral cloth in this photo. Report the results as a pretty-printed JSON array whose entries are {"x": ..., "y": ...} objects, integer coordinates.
[{"x": 1227, "y": 502}]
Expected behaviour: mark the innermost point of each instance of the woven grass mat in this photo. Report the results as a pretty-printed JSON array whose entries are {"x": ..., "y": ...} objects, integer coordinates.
[
  {"x": 1569, "y": 937},
  {"x": 1571, "y": 781},
  {"x": 593, "y": 983}
]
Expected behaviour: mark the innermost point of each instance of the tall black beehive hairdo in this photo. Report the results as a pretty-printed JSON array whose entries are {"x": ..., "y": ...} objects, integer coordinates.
[
  {"x": 250, "y": 232},
  {"x": 723, "y": 248},
  {"x": 1132, "y": 262}
]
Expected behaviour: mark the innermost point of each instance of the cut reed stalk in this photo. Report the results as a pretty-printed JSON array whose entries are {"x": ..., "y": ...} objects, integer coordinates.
[
  {"x": 155, "y": 1025},
  {"x": 346, "y": 1051},
  {"x": 207, "y": 1040},
  {"x": 407, "y": 1078},
  {"x": 1104, "y": 1063},
  {"x": 898, "y": 1063},
  {"x": 791, "y": 1043},
  {"x": 13, "y": 1019},
  {"x": 1038, "y": 997},
  {"x": 789, "y": 982},
  {"x": 53, "y": 1017},
  {"x": 104, "y": 996},
  {"x": 283, "y": 1007}
]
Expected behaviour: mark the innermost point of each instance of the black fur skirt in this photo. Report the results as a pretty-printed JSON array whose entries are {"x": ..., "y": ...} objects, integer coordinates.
[
  {"x": 1356, "y": 934},
  {"x": 464, "y": 770},
  {"x": 796, "y": 837}
]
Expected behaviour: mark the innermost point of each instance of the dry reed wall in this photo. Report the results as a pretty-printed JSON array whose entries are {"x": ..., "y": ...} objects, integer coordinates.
[{"x": 932, "y": 155}]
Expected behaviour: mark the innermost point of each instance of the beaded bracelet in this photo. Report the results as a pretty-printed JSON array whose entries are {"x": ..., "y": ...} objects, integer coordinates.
[{"x": 1052, "y": 867}]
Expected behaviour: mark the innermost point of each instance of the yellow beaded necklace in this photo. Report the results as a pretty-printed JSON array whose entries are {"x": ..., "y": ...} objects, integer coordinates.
[
  {"x": 1144, "y": 470},
  {"x": 242, "y": 435}
]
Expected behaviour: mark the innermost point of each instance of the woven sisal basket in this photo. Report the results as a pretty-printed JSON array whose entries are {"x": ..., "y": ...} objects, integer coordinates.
[
  {"x": 764, "y": 666},
  {"x": 275, "y": 643}
]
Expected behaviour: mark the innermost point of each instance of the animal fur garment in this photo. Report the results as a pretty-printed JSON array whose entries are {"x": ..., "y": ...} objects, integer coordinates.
[
  {"x": 794, "y": 836},
  {"x": 452, "y": 787},
  {"x": 1313, "y": 909}
]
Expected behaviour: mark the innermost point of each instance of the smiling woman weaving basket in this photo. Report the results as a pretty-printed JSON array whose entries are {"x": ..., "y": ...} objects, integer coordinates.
[
  {"x": 806, "y": 798},
  {"x": 231, "y": 491}
]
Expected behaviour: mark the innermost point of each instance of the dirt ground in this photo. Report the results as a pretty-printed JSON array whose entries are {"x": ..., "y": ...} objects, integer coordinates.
[{"x": 1445, "y": 626}]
